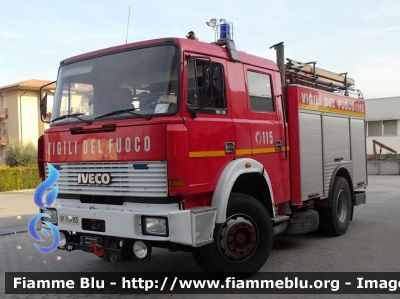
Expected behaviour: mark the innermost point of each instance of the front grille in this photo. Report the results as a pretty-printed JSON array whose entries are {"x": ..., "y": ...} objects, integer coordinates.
[{"x": 126, "y": 180}]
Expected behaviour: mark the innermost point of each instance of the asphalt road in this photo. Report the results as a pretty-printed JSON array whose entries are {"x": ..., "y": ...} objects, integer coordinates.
[
  {"x": 16, "y": 209},
  {"x": 370, "y": 245}
]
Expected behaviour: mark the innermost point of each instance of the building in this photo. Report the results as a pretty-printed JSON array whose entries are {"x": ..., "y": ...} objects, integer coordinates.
[
  {"x": 383, "y": 123},
  {"x": 19, "y": 112}
]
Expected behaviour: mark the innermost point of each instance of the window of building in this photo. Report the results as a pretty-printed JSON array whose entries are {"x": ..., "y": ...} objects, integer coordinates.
[
  {"x": 260, "y": 92},
  {"x": 389, "y": 127},
  {"x": 379, "y": 128},
  {"x": 374, "y": 128},
  {"x": 2, "y": 156},
  {"x": 4, "y": 129},
  {"x": 4, "y": 102}
]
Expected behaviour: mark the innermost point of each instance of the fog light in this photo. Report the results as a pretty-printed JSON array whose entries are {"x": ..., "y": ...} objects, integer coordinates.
[
  {"x": 157, "y": 226},
  {"x": 140, "y": 249},
  {"x": 63, "y": 240}
]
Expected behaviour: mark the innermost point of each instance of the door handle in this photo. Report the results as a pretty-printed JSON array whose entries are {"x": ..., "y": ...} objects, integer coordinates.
[
  {"x": 278, "y": 145},
  {"x": 229, "y": 147}
]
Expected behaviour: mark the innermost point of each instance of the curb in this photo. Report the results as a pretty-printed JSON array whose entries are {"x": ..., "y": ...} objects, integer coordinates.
[
  {"x": 16, "y": 191},
  {"x": 13, "y": 230},
  {"x": 9, "y": 225},
  {"x": 16, "y": 229}
]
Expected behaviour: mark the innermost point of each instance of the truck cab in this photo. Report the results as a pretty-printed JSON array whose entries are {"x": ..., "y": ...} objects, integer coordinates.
[{"x": 173, "y": 143}]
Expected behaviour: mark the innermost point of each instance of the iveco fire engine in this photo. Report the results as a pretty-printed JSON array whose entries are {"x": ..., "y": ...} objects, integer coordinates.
[{"x": 187, "y": 145}]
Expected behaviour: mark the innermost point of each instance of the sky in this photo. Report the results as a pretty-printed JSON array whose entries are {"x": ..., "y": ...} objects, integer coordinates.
[{"x": 355, "y": 36}]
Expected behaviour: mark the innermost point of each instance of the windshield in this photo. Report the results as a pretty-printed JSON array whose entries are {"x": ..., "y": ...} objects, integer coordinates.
[{"x": 143, "y": 80}]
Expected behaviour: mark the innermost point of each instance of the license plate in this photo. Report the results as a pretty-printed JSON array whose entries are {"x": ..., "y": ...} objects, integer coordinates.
[{"x": 69, "y": 219}]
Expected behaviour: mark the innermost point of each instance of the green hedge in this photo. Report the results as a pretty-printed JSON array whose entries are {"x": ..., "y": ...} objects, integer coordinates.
[{"x": 19, "y": 178}]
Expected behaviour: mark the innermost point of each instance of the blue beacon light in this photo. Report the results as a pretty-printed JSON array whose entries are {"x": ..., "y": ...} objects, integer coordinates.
[{"x": 225, "y": 31}]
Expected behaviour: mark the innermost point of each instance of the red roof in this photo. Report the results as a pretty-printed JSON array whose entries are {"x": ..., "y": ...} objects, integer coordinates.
[{"x": 34, "y": 84}]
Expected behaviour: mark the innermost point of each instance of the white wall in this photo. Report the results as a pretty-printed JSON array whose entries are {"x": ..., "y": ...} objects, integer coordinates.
[
  {"x": 382, "y": 108},
  {"x": 392, "y": 141},
  {"x": 29, "y": 119}
]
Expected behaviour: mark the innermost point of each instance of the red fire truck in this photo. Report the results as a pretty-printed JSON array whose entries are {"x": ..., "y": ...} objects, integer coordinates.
[{"x": 187, "y": 145}]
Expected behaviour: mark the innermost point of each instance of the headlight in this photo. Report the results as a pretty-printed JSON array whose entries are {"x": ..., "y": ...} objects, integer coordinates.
[
  {"x": 156, "y": 226},
  {"x": 53, "y": 216}
]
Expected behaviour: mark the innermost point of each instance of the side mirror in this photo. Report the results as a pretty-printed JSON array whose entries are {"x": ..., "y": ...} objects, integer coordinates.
[
  {"x": 43, "y": 110},
  {"x": 45, "y": 117}
]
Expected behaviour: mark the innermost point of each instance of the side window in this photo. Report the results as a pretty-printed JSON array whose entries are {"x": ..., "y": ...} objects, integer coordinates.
[
  {"x": 260, "y": 92},
  {"x": 200, "y": 88}
]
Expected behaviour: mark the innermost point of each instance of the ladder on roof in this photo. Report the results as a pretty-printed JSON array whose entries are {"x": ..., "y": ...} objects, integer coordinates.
[{"x": 308, "y": 74}]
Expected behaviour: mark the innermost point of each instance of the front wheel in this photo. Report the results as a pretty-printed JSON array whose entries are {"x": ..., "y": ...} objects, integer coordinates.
[
  {"x": 243, "y": 242},
  {"x": 335, "y": 220}
]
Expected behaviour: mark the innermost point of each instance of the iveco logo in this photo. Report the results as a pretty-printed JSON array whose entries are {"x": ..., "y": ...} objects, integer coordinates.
[{"x": 94, "y": 178}]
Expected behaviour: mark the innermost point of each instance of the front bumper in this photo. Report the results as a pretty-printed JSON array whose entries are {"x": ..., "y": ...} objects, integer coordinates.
[{"x": 193, "y": 227}]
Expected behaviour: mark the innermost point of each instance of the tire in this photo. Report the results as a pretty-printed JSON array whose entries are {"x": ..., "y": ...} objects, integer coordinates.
[
  {"x": 104, "y": 257},
  {"x": 242, "y": 243},
  {"x": 304, "y": 222},
  {"x": 335, "y": 220}
]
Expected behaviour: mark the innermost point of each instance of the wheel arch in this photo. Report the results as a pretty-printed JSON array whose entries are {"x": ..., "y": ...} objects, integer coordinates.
[
  {"x": 238, "y": 177},
  {"x": 342, "y": 172}
]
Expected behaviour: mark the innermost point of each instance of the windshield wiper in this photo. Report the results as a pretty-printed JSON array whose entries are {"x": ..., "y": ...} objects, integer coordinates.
[
  {"x": 75, "y": 115},
  {"x": 123, "y": 111}
]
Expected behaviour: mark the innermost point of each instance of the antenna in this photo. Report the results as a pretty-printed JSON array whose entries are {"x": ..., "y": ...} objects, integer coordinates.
[{"x": 127, "y": 27}]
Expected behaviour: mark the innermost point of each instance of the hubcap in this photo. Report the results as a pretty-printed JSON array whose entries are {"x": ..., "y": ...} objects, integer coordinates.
[
  {"x": 342, "y": 206},
  {"x": 238, "y": 238}
]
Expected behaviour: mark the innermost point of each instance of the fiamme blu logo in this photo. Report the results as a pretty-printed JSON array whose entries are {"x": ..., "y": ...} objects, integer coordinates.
[{"x": 38, "y": 200}]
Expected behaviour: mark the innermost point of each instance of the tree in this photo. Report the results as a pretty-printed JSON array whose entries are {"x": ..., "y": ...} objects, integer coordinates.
[{"x": 20, "y": 154}]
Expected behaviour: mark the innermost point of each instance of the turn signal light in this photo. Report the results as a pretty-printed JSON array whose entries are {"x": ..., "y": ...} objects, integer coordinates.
[{"x": 175, "y": 183}]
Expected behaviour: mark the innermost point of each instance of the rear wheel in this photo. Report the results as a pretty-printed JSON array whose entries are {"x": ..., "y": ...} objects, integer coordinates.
[
  {"x": 303, "y": 222},
  {"x": 335, "y": 220},
  {"x": 243, "y": 242}
]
